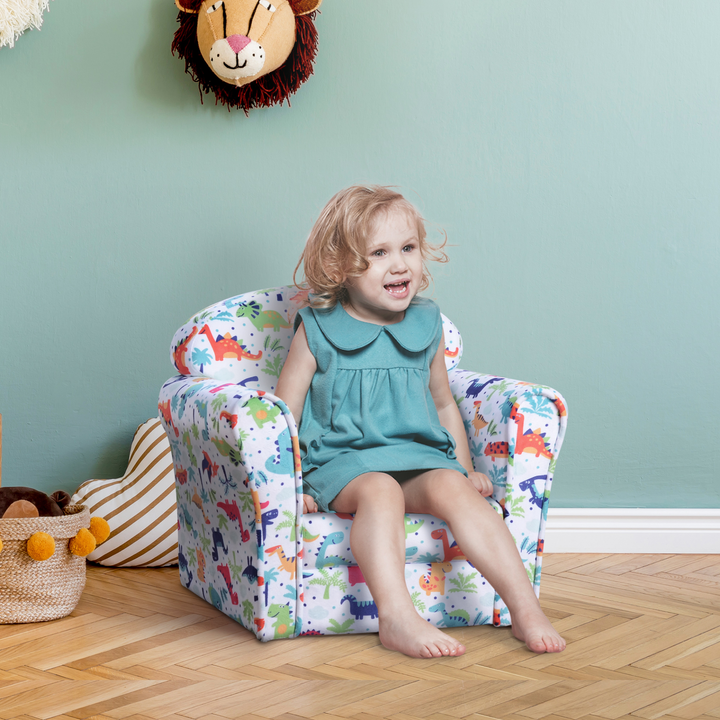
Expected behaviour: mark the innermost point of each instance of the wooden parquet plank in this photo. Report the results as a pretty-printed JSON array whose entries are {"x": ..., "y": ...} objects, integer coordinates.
[{"x": 643, "y": 632}]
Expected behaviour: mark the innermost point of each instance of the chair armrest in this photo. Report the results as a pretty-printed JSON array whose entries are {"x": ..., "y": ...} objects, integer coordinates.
[
  {"x": 239, "y": 485},
  {"x": 515, "y": 432}
]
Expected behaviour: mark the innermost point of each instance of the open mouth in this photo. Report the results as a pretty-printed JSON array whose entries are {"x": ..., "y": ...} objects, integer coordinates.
[{"x": 398, "y": 288}]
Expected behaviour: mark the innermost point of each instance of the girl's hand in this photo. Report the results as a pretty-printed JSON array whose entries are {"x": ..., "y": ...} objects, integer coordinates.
[
  {"x": 309, "y": 504},
  {"x": 482, "y": 483}
]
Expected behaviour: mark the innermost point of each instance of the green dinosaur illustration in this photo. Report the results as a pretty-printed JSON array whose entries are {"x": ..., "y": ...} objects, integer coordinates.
[
  {"x": 261, "y": 411},
  {"x": 283, "y": 623}
]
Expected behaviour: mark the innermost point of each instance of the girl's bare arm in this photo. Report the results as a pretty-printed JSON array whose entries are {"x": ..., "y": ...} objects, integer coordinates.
[
  {"x": 293, "y": 385},
  {"x": 296, "y": 375},
  {"x": 451, "y": 420}
]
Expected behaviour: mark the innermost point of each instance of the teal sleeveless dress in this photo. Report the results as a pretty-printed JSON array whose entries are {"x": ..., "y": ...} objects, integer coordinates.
[{"x": 369, "y": 406}]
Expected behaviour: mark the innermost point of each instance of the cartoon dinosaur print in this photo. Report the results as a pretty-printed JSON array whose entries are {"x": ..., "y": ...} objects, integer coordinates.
[
  {"x": 450, "y": 552},
  {"x": 164, "y": 408},
  {"x": 233, "y": 512},
  {"x": 232, "y": 419},
  {"x": 478, "y": 422},
  {"x": 289, "y": 565},
  {"x": 355, "y": 575},
  {"x": 459, "y": 618},
  {"x": 529, "y": 441},
  {"x": 434, "y": 580},
  {"x": 218, "y": 541},
  {"x": 201, "y": 565},
  {"x": 208, "y": 466},
  {"x": 412, "y": 526},
  {"x": 529, "y": 484},
  {"x": 227, "y": 346},
  {"x": 260, "y": 318},
  {"x": 183, "y": 563},
  {"x": 197, "y": 501},
  {"x": 497, "y": 450},
  {"x": 283, "y": 623},
  {"x": 181, "y": 475},
  {"x": 263, "y": 519},
  {"x": 180, "y": 350},
  {"x": 282, "y": 462},
  {"x": 250, "y": 572},
  {"x": 560, "y": 405},
  {"x": 225, "y": 572},
  {"x": 476, "y": 387},
  {"x": 260, "y": 411},
  {"x": 334, "y": 538},
  {"x": 452, "y": 353},
  {"x": 361, "y": 608}
]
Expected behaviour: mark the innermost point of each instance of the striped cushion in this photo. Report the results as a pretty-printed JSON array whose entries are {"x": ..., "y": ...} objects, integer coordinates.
[{"x": 140, "y": 506}]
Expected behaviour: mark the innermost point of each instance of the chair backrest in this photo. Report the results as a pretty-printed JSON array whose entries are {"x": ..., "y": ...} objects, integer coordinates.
[{"x": 245, "y": 339}]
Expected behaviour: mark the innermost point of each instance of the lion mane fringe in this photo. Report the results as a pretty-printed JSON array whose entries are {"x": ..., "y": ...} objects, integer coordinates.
[{"x": 271, "y": 89}]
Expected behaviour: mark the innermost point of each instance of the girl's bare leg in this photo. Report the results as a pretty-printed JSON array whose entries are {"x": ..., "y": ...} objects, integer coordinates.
[
  {"x": 487, "y": 543},
  {"x": 377, "y": 540}
]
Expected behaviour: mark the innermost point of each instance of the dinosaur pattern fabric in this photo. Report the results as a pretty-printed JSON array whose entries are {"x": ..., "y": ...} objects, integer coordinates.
[{"x": 245, "y": 545}]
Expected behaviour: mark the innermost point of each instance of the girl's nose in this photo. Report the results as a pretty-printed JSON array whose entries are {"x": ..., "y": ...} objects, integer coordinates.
[{"x": 399, "y": 264}]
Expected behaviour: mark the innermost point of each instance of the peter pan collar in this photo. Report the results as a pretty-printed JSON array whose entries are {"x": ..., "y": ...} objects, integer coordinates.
[{"x": 414, "y": 332}]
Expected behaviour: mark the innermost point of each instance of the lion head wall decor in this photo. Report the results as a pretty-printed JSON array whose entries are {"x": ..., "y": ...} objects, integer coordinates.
[{"x": 249, "y": 53}]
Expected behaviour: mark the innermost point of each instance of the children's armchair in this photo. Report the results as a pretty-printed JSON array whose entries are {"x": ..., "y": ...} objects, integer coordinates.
[{"x": 245, "y": 545}]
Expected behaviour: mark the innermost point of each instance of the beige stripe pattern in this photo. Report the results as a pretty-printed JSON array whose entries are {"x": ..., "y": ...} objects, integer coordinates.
[{"x": 140, "y": 507}]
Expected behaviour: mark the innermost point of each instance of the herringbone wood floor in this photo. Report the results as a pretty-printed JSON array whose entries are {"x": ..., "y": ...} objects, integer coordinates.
[{"x": 643, "y": 632}]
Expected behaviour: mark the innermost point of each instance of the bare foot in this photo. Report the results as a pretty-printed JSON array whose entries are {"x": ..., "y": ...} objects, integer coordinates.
[
  {"x": 413, "y": 636},
  {"x": 536, "y": 631}
]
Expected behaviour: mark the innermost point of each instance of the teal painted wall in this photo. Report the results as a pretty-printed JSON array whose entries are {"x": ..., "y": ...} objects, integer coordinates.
[{"x": 570, "y": 150}]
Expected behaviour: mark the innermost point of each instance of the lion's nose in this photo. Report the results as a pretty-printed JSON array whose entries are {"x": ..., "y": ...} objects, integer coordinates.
[{"x": 237, "y": 42}]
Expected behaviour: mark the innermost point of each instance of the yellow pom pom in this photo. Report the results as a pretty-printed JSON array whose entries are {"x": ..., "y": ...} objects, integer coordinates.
[
  {"x": 83, "y": 543},
  {"x": 40, "y": 546},
  {"x": 100, "y": 529}
]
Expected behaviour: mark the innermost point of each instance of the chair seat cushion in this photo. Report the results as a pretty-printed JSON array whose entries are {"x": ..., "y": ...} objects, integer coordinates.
[
  {"x": 140, "y": 507},
  {"x": 326, "y": 540}
]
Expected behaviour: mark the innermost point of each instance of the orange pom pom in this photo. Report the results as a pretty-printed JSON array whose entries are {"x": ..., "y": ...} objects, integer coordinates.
[
  {"x": 83, "y": 543},
  {"x": 40, "y": 546},
  {"x": 100, "y": 529}
]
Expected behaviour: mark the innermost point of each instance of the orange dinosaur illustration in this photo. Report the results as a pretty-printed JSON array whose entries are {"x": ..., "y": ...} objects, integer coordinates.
[
  {"x": 478, "y": 422},
  {"x": 450, "y": 552},
  {"x": 289, "y": 565},
  {"x": 197, "y": 501},
  {"x": 181, "y": 349},
  {"x": 164, "y": 408},
  {"x": 560, "y": 405},
  {"x": 497, "y": 450},
  {"x": 434, "y": 580},
  {"x": 227, "y": 347},
  {"x": 528, "y": 441}
]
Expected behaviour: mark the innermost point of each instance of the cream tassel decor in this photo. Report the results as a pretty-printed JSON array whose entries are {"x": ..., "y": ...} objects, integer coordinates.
[{"x": 16, "y": 16}]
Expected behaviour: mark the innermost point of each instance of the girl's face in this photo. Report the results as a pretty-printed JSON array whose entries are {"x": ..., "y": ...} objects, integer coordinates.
[{"x": 383, "y": 292}]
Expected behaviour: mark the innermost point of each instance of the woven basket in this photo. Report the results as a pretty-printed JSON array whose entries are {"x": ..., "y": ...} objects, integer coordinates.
[{"x": 32, "y": 590}]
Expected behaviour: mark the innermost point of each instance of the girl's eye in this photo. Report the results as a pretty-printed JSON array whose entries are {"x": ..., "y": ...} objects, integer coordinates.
[
  {"x": 378, "y": 253},
  {"x": 408, "y": 248}
]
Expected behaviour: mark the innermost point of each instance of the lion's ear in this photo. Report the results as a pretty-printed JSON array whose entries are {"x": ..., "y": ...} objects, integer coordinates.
[
  {"x": 182, "y": 8},
  {"x": 303, "y": 7}
]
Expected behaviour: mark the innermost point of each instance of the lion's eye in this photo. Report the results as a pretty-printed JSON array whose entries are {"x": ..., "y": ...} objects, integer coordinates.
[
  {"x": 268, "y": 6},
  {"x": 215, "y": 7}
]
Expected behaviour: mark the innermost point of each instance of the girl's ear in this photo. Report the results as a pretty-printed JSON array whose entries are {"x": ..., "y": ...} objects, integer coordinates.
[
  {"x": 182, "y": 8},
  {"x": 303, "y": 7}
]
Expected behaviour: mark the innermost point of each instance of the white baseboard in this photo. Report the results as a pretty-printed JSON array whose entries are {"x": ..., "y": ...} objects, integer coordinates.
[{"x": 590, "y": 530}]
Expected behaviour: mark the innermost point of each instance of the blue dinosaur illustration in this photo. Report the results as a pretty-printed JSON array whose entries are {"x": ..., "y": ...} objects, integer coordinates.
[
  {"x": 250, "y": 572},
  {"x": 529, "y": 484},
  {"x": 184, "y": 567},
  {"x": 476, "y": 387},
  {"x": 218, "y": 541},
  {"x": 282, "y": 463},
  {"x": 361, "y": 608},
  {"x": 458, "y": 618},
  {"x": 334, "y": 538},
  {"x": 202, "y": 407}
]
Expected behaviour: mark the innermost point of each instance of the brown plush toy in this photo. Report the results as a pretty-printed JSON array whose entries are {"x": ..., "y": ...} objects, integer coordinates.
[
  {"x": 249, "y": 53},
  {"x": 24, "y": 502}
]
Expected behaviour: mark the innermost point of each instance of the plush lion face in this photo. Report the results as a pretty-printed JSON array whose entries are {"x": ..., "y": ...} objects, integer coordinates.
[{"x": 243, "y": 41}]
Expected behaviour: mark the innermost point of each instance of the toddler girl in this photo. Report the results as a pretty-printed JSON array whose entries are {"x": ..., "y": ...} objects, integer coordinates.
[{"x": 380, "y": 432}]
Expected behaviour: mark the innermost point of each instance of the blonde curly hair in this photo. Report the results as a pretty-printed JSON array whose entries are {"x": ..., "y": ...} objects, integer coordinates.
[{"x": 335, "y": 249}]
